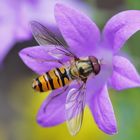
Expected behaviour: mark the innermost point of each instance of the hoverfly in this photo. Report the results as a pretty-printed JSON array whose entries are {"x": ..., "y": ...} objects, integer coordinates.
[{"x": 76, "y": 72}]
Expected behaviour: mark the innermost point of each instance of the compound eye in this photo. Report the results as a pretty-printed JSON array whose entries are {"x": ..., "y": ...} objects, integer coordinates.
[
  {"x": 95, "y": 64},
  {"x": 97, "y": 68}
]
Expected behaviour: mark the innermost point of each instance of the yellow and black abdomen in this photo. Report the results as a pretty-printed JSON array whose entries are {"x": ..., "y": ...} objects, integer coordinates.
[{"x": 52, "y": 80}]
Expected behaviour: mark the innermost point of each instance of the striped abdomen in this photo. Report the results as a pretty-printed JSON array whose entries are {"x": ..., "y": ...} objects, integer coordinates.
[{"x": 51, "y": 80}]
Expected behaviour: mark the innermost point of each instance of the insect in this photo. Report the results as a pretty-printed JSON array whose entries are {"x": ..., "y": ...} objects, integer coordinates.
[{"x": 76, "y": 71}]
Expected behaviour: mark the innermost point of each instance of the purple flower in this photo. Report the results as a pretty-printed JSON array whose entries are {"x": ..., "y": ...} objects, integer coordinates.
[
  {"x": 16, "y": 14},
  {"x": 84, "y": 39}
]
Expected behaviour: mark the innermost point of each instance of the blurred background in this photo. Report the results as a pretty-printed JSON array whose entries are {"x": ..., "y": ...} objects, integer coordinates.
[{"x": 19, "y": 103}]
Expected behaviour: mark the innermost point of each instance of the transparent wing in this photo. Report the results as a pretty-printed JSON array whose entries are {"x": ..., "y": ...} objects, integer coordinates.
[
  {"x": 75, "y": 103},
  {"x": 44, "y": 36},
  {"x": 55, "y": 94}
]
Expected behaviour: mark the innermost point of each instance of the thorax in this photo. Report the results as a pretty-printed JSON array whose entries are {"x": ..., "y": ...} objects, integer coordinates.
[{"x": 81, "y": 69}]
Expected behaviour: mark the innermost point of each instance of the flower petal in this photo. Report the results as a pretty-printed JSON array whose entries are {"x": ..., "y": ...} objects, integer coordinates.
[
  {"x": 7, "y": 43},
  {"x": 124, "y": 74},
  {"x": 120, "y": 27},
  {"x": 81, "y": 34},
  {"x": 102, "y": 111},
  {"x": 43, "y": 58},
  {"x": 6, "y": 29},
  {"x": 52, "y": 111}
]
